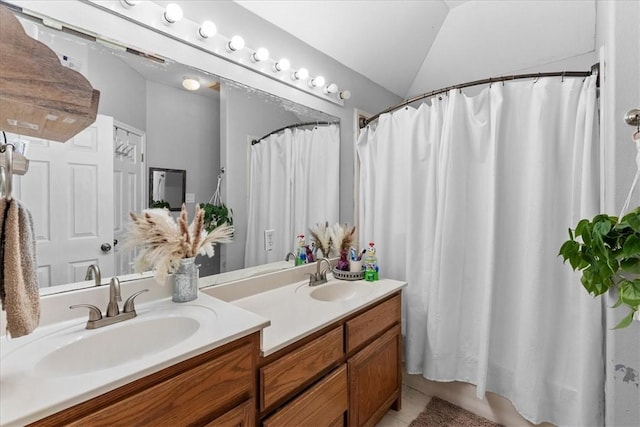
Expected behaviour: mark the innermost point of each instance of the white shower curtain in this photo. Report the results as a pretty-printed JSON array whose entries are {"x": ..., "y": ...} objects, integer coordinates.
[
  {"x": 469, "y": 200},
  {"x": 293, "y": 185}
]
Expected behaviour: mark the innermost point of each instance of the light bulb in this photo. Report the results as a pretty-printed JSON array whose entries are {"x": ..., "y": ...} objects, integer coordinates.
[
  {"x": 236, "y": 43},
  {"x": 173, "y": 13},
  {"x": 301, "y": 74},
  {"x": 332, "y": 88},
  {"x": 282, "y": 65},
  {"x": 345, "y": 94},
  {"x": 191, "y": 84},
  {"x": 262, "y": 54},
  {"x": 316, "y": 82},
  {"x": 207, "y": 29}
]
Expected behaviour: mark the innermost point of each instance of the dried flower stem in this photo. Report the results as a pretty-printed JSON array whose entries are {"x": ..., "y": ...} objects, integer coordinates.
[{"x": 164, "y": 242}]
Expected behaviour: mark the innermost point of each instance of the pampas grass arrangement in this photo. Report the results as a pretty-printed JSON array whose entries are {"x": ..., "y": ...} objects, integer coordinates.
[
  {"x": 336, "y": 239},
  {"x": 164, "y": 242},
  {"x": 320, "y": 235}
]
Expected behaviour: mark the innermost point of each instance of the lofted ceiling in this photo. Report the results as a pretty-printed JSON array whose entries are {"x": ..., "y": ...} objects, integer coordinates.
[
  {"x": 360, "y": 33},
  {"x": 413, "y": 46}
]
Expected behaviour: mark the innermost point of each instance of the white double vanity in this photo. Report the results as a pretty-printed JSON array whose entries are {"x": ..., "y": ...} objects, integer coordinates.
[{"x": 264, "y": 350}]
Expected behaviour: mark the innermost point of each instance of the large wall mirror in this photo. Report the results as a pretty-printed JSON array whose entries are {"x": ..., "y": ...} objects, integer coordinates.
[{"x": 150, "y": 120}]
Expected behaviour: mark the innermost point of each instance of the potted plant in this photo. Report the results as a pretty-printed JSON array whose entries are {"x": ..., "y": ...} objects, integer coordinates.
[
  {"x": 216, "y": 215},
  {"x": 607, "y": 253},
  {"x": 157, "y": 204}
]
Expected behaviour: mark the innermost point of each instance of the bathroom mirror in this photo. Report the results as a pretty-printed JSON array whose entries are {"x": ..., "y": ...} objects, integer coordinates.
[
  {"x": 183, "y": 130},
  {"x": 167, "y": 188}
]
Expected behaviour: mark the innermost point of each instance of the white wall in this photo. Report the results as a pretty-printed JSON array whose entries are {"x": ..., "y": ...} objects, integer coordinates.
[
  {"x": 482, "y": 39},
  {"x": 619, "y": 37}
]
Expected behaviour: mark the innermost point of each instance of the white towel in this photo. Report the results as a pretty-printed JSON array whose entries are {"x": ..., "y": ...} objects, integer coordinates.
[{"x": 18, "y": 280}]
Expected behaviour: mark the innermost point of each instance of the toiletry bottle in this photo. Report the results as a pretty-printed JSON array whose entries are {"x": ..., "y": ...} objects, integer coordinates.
[
  {"x": 309, "y": 252},
  {"x": 301, "y": 253},
  {"x": 371, "y": 264}
]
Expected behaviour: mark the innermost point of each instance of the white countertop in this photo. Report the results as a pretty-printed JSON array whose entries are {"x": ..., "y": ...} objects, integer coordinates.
[
  {"x": 282, "y": 309},
  {"x": 295, "y": 315},
  {"x": 29, "y": 393}
]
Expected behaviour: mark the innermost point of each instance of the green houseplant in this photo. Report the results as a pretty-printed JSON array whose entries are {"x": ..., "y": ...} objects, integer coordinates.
[
  {"x": 607, "y": 253},
  {"x": 215, "y": 215}
]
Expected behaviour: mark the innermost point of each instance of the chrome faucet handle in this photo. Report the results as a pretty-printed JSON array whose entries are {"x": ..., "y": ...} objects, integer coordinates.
[
  {"x": 94, "y": 312},
  {"x": 128, "y": 304},
  {"x": 114, "y": 297}
]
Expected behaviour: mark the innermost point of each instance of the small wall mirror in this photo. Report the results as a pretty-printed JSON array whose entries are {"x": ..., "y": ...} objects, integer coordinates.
[{"x": 167, "y": 188}]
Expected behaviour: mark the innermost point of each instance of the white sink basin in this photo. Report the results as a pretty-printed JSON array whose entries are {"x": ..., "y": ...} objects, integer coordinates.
[
  {"x": 76, "y": 351},
  {"x": 340, "y": 291},
  {"x": 110, "y": 347}
]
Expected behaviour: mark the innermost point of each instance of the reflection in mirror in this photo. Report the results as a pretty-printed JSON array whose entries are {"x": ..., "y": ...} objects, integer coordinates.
[
  {"x": 295, "y": 167},
  {"x": 144, "y": 106},
  {"x": 167, "y": 188}
]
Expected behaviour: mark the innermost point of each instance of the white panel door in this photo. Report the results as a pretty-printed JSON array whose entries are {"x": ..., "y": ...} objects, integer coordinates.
[
  {"x": 69, "y": 191},
  {"x": 129, "y": 189}
]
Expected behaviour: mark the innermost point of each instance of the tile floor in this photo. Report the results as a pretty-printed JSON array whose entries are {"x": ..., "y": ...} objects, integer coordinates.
[{"x": 413, "y": 403}]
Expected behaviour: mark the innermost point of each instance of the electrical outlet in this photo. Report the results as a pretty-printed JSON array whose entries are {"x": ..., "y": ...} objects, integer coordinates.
[
  {"x": 268, "y": 240},
  {"x": 190, "y": 198}
]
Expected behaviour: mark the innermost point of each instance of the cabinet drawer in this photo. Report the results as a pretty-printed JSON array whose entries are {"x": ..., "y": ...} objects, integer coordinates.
[
  {"x": 186, "y": 398},
  {"x": 322, "y": 405},
  {"x": 297, "y": 368},
  {"x": 242, "y": 415},
  {"x": 370, "y": 323}
]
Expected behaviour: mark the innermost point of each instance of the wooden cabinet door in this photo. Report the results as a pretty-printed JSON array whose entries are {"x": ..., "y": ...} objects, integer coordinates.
[
  {"x": 242, "y": 415},
  {"x": 375, "y": 379},
  {"x": 188, "y": 398}
]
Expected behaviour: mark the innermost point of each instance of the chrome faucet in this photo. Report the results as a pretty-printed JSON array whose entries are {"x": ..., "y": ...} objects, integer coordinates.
[
  {"x": 93, "y": 272},
  {"x": 290, "y": 255},
  {"x": 114, "y": 297},
  {"x": 113, "y": 314},
  {"x": 319, "y": 277}
]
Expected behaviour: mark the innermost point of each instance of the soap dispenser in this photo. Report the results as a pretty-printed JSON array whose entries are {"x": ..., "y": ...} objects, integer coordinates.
[
  {"x": 371, "y": 264},
  {"x": 301, "y": 252}
]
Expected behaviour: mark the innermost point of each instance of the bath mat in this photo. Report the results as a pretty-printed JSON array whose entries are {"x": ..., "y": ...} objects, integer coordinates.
[{"x": 440, "y": 413}]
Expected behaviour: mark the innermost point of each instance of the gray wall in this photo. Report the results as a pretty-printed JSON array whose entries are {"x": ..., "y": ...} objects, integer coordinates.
[
  {"x": 183, "y": 132},
  {"x": 122, "y": 90}
]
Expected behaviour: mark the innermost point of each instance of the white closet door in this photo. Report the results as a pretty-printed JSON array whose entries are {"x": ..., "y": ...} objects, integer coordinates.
[
  {"x": 129, "y": 189},
  {"x": 69, "y": 192}
]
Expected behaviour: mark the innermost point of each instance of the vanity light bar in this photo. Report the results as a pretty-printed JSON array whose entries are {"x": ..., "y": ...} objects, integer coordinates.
[{"x": 206, "y": 31}]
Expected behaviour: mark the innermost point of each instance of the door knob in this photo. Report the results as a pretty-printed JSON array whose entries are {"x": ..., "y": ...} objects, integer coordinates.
[{"x": 105, "y": 247}]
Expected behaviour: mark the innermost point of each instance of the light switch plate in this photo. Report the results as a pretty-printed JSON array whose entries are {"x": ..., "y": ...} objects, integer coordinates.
[{"x": 190, "y": 197}]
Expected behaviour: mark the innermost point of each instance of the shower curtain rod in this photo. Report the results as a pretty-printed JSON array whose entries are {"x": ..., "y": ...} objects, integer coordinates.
[
  {"x": 297, "y": 125},
  {"x": 594, "y": 70}
]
